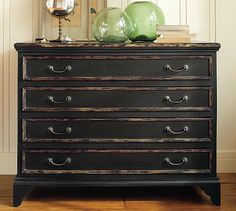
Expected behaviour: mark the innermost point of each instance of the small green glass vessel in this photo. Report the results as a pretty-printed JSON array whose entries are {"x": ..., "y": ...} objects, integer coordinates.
[
  {"x": 112, "y": 25},
  {"x": 145, "y": 16}
]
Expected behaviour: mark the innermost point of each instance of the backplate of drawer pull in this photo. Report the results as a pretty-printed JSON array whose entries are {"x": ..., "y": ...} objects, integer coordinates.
[
  {"x": 67, "y": 99},
  {"x": 169, "y": 162},
  {"x": 182, "y": 100},
  {"x": 170, "y": 131},
  {"x": 53, "y": 163},
  {"x": 68, "y": 130},
  {"x": 182, "y": 69},
  {"x": 53, "y": 69}
]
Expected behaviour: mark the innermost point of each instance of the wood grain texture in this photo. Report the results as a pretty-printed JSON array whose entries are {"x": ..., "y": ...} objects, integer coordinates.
[{"x": 86, "y": 199}]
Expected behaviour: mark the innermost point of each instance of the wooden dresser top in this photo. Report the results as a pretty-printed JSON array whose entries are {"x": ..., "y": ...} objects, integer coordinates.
[{"x": 95, "y": 45}]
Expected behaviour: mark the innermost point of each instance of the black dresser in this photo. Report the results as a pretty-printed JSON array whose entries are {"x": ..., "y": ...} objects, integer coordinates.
[{"x": 92, "y": 115}]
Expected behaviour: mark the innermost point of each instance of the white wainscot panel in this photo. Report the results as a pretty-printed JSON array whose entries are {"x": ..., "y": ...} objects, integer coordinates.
[
  {"x": 20, "y": 21},
  {"x": 171, "y": 10},
  {"x": 198, "y": 17},
  {"x": 130, "y": 1},
  {"x": 116, "y": 3},
  {"x": 1, "y": 72}
]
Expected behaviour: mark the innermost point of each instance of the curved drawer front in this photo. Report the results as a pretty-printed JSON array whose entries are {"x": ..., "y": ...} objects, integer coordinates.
[
  {"x": 116, "y": 161},
  {"x": 117, "y": 130},
  {"x": 117, "y": 67},
  {"x": 112, "y": 99}
]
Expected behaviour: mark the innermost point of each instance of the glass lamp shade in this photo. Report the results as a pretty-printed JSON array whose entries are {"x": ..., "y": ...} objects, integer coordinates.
[
  {"x": 60, "y": 8},
  {"x": 112, "y": 25},
  {"x": 145, "y": 16}
]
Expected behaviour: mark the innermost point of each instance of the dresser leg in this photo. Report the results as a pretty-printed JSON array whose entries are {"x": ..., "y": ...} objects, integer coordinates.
[
  {"x": 213, "y": 190},
  {"x": 19, "y": 192}
]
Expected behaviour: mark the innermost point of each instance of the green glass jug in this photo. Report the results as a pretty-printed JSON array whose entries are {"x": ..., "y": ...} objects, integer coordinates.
[
  {"x": 112, "y": 25},
  {"x": 145, "y": 16}
]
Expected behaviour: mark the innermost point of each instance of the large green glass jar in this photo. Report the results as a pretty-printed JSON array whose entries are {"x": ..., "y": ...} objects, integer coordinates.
[
  {"x": 145, "y": 16},
  {"x": 112, "y": 25}
]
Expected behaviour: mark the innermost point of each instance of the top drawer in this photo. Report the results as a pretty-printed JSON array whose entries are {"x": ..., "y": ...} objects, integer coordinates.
[{"x": 117, "y": 68}]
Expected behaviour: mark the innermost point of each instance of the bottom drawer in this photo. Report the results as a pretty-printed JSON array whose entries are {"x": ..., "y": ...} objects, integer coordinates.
[{"x": 116, "y": 161}]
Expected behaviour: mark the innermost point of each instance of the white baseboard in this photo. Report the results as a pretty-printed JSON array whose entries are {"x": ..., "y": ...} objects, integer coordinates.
[
  {"x": 7, "y": 163},
  {"x": 226, "y": 163}
]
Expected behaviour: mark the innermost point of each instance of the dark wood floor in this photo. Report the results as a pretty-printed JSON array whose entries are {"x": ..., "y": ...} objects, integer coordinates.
[{"x": 158, "y": 199}]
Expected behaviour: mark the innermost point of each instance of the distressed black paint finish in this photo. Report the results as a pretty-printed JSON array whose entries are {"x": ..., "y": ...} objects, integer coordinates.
[
  {"x": 72, "y": 99},
  {"x": 213, "y": 190},
  {"x": 137, "y": 46},
  {"x": 116, "y": 115},
  {"x": 117, "y": 162},
  {"x": 113, "y": 68},
  {"x": 88, "y": 130},
  {"x": 19, "y": 192}
]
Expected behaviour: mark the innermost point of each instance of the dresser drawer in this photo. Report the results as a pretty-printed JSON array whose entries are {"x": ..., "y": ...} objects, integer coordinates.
[
  {"x": 115, "y": 99},
  {"x": 116, "y": 161},
  {"x": 117, "y": 67},
  {"x": 123, "y": 130}
]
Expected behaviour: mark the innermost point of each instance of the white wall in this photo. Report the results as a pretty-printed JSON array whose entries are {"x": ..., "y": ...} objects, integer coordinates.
[
  {"x": 212, "y": 20},
  {"x": 226, "y": 34},
  {"x": 18, "y": 23}
]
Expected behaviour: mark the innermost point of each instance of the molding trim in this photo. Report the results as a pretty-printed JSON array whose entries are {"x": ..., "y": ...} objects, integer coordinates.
[
  {"x": 226, "y": 163},
  {"x": 8, "y": 163}
]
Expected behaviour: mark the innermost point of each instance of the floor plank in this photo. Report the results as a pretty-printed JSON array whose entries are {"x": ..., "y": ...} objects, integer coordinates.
[
  {"x": 135, "y": 199},
  {"x": 181, "y": 203},
  {"x": 227, "y": 178},
  {"x": 228, "y": 189},
  {"x": 63, "y": 204},
  {"x": 6, "y": 185}
]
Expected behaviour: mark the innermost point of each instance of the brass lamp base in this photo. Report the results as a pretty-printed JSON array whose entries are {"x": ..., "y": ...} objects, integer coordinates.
[{"x": 61, "y": 38}]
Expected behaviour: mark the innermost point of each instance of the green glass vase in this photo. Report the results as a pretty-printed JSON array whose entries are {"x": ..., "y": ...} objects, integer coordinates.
[
  {"x": 112, "y": 25},
  {"x": 145, "y": 16}
]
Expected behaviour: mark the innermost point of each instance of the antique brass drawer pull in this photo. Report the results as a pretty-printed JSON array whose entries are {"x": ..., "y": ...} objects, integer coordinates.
[
  {"x": 66, "y": 162},
  {"x": 182, "y": 69},
  {"x": 68, "y": 99},
  {"x": 66, "y": 69},
  {"x": 68, "y": 130},
  {"x": 168, "y": 161},
  {"x": 169, "y": 130},
  {"x": 168, "y": 99}
]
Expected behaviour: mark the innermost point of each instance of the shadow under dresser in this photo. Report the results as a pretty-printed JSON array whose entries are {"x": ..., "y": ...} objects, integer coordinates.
[{"x": 115, "y": 115}]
